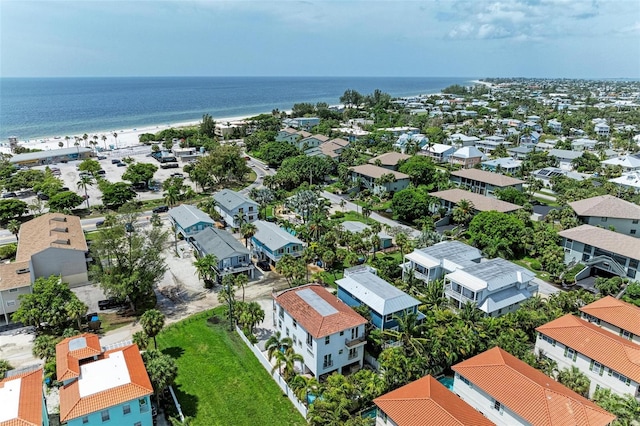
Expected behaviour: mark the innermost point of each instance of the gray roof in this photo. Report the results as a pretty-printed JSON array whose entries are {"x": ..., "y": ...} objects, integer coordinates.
[
  {"x": 565, "y": 154},
  {"x": 376, "y": 293},
  {"x": 48, "y": 154},
  {"x": 220, "y": 243},
  {"x": 449, "y": 254},
  {"x": 185, "y": 216},
  {"x": 272, "y": 236},
  {"x": 614, "y": 242},
  {"x": 229, "y": 200},
  {"x": 493, "y": 275},
  {"x": 503, "y": 299},
  {"x": 606, "y": 206},
  {"x": 355, "y": 226}
]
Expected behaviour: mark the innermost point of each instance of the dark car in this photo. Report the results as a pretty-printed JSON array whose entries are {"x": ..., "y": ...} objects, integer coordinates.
[
  {"x": 99, "y": 223},
  {"x": 160, "y": 209},
  {"x": 9, "y": 195},
  {"x": 64, "y": 188},
  {"x": 115, "y": 160},
  {"x": 42, "y": 196},
  {"x": 177, "y": 175},
  {"x": 102, "y": 157},
  {"x": 169, "y": 165},
  {"x": 121, "y": 164},
  {"x": 102, "y": 172},
  {"x": 110, "y": 303}
]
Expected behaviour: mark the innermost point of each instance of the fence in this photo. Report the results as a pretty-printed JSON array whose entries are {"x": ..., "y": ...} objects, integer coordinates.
[
  {"x": 275, "y": 375},
  {"x": 372, "y": 361}
]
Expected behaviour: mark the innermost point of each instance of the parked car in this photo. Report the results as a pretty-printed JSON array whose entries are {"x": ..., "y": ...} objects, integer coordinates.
[
  {"x": 102, "y": 157},
  {"x": 99, "y": 223},
  {"x": 160, "y": 209},
  {"x": 121, "y": 164},
  {"x": 169, "y": 165},
  {"x": 112, "y": 302},
  {"x": 64, "y": 188},
  {"x": 102, "y": 172},
  {"x": 42, "y": 196},
  {"x": 177, "y": 175},
  {"x": 115, "y": 161},
  {"x": 9, "y": 195}
]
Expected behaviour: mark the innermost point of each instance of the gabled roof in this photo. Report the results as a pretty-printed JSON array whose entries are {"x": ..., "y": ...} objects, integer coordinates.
[
  {"x": 117, "y": 377},
  {"x": 50, "y": 230},
  {"x": 70, "y": 351},
  {"x": 610, "y": 350},
  {"x": 617, "y": 312},
  {"x": 376, "y": 172},
  {"x": 376, "y": 293},
  {"x": 229, "y": 200},
  {"x": 272, "y": 236},
  {"x": 390, "y": 158},
  {"x": 21, "y": 397},
  {"x": 533, "y": 396},
  {"x": 427, "y": 401},
  {"x": 448, "y": 254},
  {"x": 493, "y": 275},
  {"x": 491, "y": 178},
  {"x": 15, "y": 275},
  {"x": 186, "y": 216},
  {"x": 319, "y": 312},
  {"x": 604, "y": 239},
  {"x": 565, "y": 154},
  {"x": 437, "y": 148},
  {"x": 220, "y": 243},
  {"x": 480, "y": 202},
  {"x": 606, "y": 206},
  {"x": 321, "y": 138}
]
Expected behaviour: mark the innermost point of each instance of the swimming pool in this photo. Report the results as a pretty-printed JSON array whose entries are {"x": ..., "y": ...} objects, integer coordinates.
[{"x": 447, "y": 382}]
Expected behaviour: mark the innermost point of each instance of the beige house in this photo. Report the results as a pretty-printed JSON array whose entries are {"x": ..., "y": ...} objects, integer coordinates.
[
  {"x": 609, "y": 212},
  {"x": 370, "y": 177},
  {"x": 389, "y": 160},
  {"x": 15, "y": 280}
]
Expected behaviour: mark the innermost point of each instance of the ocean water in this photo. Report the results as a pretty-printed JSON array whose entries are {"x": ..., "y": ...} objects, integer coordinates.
[{"x": 31, "y": 108}]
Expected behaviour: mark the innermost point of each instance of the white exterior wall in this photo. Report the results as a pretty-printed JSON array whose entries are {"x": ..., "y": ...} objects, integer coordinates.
[
  {"x": 228, "y": 216},
  {"x": 617, "y": 331},
  {"x": 484, "y": 403},
  {"x": 10, "y": 300},
  {"x": 622, "y": 226},
  {"x": 583, "y": 363},
  {"x": 70, "y": 264},
  {"x": 383, "y": 420}
]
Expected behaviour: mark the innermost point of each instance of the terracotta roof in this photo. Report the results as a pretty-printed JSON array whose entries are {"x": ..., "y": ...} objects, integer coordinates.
[
  {"x": 29, "y": 411},
  {"x": 68, "y": 359},
  {"x": 72, "y": 405},
  {"x": 606, "y": 206},
  {"x": 390, "y": 158},
  {"x": 10, "y": 278},
  {"x": 427, "y": 401},
  {"x": 480, "y": 202},
  {"x": 533, "y": 396},
  {"x": 341, "y": 317},
  {"x": 50, "y": 230},
  {"x": 604, "y": 239},
  {"x": 608, "y": 349},
  {"x": 376, "y": 172},
  {"x": 494, "y": 179},
  {"x": 621, "y": 314}
]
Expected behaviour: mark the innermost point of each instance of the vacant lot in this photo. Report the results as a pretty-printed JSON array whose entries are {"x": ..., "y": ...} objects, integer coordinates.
[{"x": 220, "y": 382}]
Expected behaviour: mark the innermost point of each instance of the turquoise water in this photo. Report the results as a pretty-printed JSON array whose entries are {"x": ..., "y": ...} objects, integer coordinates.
[
  {"x": 447, "y": 382},
  {"x": 371, "y": 413}
]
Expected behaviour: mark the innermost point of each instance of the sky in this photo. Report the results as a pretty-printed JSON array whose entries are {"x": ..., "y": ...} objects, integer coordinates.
[{"x": 437, "y": 38}]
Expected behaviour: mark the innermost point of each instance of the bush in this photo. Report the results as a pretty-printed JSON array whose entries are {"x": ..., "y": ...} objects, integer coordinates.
[
  {"x": 535, "y": 265},
  {"x": 8, "y": 251},
  {"x": 337, "y": 215}
]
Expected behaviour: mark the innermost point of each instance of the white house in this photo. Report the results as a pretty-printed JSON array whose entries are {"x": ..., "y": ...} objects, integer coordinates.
[
  {"x": 509, "y": 392},
  {"x": 555, "y": 126},
  {"x": 15, "y": 280},
  {"x": 610, "y": 212},
  {"x": 629, "y": 180},
  {"x": 629, "y": 163},
  {"x": 615, "y": 316},
  {"x": 433, "y": 262},
  {"x": 328, "y": 334},
  {"x": 460, "y": 140},
  {"x": 609, "y": 361},
  {"x": 438, "y": 152},
  {"x": 467, "y": 157},
  {"x": 496, "y": 286},
  {"x": 230, "y": 204},
  {"x": 565, "y": 157},
  {"x": 602, "y": 129}
]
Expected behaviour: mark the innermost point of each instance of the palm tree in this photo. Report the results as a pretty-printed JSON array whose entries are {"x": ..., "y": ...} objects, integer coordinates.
[
  {"x": 248, "y": 230},
  {"x": 239, "y": 219},
  {"x": 277, "y": 343},
  {"x": 84, "y": 138},
  {"x": 162, "y": 370},
  {"x": 172, "y": 196},
  {"x": 285, "y": 362},
  {"x": 252, "y": 315},
  {"x": 115, "y": 136},
  {"x": 104, "y": 141},
  {"x": 66, "y": 138},
  {"x": 575, "y": 380},
  {"x": 241, "y": 280},
  {"x": 76, "y": 310},
  {"x": 4, "y": 367},
  {"x": 141, "y": 339},
  {"x": 463, "y": 212},
  {"x": 206, "y": 267},
  {"x": 409, "y": 333},
  {"x": 85, "y": 182},
  {"x": 302, "y": 386},
  {"x": 152, "y": 322},
  {"x": 14, "y": 227}
]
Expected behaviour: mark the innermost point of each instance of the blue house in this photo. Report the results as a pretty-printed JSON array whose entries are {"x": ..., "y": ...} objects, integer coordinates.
[
  {"x": 189, "y": 220},
  {"x": 271, "y": 242},
  {"x": 361, "y": 286},
  {"x": 233, "y": 257}
]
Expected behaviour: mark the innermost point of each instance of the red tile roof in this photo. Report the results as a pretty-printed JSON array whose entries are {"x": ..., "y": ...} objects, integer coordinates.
[
  {"x": 600, "y": 345},
  {"x": 30, "y": 403},
  {"x": 621, "y": 314},
  {"x": 533, "y": 396},
  {"x": 427, "y": 401},
  {"x": 68, "y": 362},
  {"x": 313, "y": 321},
  {"x": 72, "y": 405}
]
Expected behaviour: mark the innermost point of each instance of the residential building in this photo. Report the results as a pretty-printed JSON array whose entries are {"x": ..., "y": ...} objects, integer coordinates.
[
  {"x": 362, "y": 286},
  {"x": 386, "y": 241},
  {"x": 23, "y": 400},
  {"x": 496, "y": 286},
  {"x": 609, "y": 361},
  {"x": 305, "y": 123},
  {"x": 98, "y": 387},
  {"x": 291, "y": 135},
  {"x": 233, "y": 257},
  {"x": 270, "y": 242},
  {"x": 426, "y": 401},
  {"x": 565, "y": 157},
  {"x": 615, "y": 316},
  {"x": 506, "y": 165},
  {"x": 609, "y": 212},
  {"x": 310, "y": 142},
  {"x": 188, "y": 220},
  {"x": 231, "y": 129},
  {"x": 331, "y": 148},
  {"x": 438, "y": 152},
  {"x": 450, "y": 198},
  {"x": 628, "y": 163},
  {"x": 601, "y": 249},
  {"x": 460, "y": 140},
  {"x": 407, "y": 140},
  {"x": 397, "y": 131},
  {"x": 519, "y": 152},
  {"x": 555, "y": 126},
  {"x": 51, "y": 156},
  {"x": 483, "y": 182},
  {"x": 629, "y": 180},
  {"x": 467, "y": 157},
  {"x": 389, "y": 160},
  {"x": 370, "y": 176},
  {"x": 328, "y": 334},
  {"x": 548, "y": 173},
  {"x": 509, "y": 392},
  {"x": 15, "y": 280},
  {"x": 433, "y": 262},
  {"x": 602, "y": 129},
  {"x": 231, "y": 204},
  {"x": 489, "y": 145},
  {"x": 583, "y": 144},
  {"x": 54, "y": 244}
]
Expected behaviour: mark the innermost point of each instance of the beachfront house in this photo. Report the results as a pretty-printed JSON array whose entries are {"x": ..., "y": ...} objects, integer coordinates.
[
  {"x": 23, "y": 399},
  {"x": 233, "y": 257},
  {"x": 188, "y": 220},
  {"x": 610, "y": 212},
  {"x": 362, "y": 286},
  {"x": 484, "y": 182},
  {"x": 270, "y": 242},
  {"x": 303, "y": 123},
  {"x": 328, "y": 334},
  {"x": 234, "y": 207},
  {"x": 433, "y": 262},
  {"x": 378, "y": 179}
]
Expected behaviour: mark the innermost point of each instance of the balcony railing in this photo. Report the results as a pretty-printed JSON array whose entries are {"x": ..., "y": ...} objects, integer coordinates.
[
  {"x": 450, "y": 292},
  {"x": 354, "y": 342},
  {"x": 246, "y": 266}
]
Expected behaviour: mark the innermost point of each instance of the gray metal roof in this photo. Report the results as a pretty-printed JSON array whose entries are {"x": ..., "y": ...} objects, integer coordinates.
[
  {"x": 320, "y": 305},
  {"x": 565, "y": 154},
  {"x": 493, "y": 275},
  {"x": 355, "y": 227},
  {"x": 50, "y": 153},
  {"x": 272, "y": 236},
  {"x": 220, "y": 243},
  {"x": 376, "y": 293},
  {"x": 503, "y": 299},
  {"x": 453, "y": 251},
  {"x": 229, "y": 200},
  {"x": 185, "y": 216}
]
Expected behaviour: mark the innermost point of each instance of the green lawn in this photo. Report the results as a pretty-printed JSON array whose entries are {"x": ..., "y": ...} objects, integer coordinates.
[{"x": 220, "y": 381}]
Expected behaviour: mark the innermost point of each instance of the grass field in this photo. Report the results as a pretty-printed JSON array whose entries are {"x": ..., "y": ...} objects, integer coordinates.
[{"x": 220, "y": 381}]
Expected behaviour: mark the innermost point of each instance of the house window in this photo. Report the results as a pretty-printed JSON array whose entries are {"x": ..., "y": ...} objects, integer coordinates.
[
  {"x": 309, "y": 340},
  {"x": 548, "y": 339},
  {"x": 570, "y": 353},
  {"x": 634, "y": 221},
  {"x": 355, "y": 333},
  {"x": 619, "y": 376},
  {"x": 13, "y": 290},
  {"x": 105, "y": 415},
  {"x": 627, "y": 335},
  {"x": 137, "y": 424},
  {"x": 295, "y": 340},
  {"x": 353, "y": 353},
  {"x": 85, "y": 420},
  {"x": 464, "y": 380},
  {"x": 295, "y": 324},
  {"x": 388, "y": 317},
  {"x": 596, "y": 367},
  {"x": 11, "y": 302},
  {"x": 287, "y": 329},
  {"x": 327, "y": 361},
  {"x": 498, "y": 406},
  {"x": 633, "y": 232},
  {"x": 327, "y": 340},
  {"x": 144, "y": 407},
  {"x": 250, "y": 208},
  {"x": 342, "y": 333},
  {"x": 251, "y": 217},
  {"x": 126, "y": 409},
  {"x": 280, "y": 324},
  {"x": 603, "y": 219},
  {"x": 592, "y": 319},
  {"x": 281, "y": 312}
]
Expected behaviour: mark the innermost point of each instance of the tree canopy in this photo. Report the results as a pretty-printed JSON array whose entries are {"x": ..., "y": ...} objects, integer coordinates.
[
  {"x": 410, "y": 204},
  {"x": 140, "y": 173},
  {"x": 421, "y": 170},
  {"x": 65, "y": 200},
  {"x": 497, "y": 234}
]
